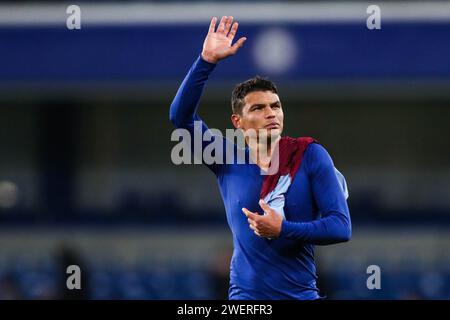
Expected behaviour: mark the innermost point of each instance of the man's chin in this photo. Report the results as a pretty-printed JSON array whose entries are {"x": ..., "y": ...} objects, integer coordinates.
[{"x": 270, "y": 133}]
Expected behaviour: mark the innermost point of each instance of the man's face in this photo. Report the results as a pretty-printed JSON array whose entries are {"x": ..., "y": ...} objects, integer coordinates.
[{"x": 262, "y": 110}]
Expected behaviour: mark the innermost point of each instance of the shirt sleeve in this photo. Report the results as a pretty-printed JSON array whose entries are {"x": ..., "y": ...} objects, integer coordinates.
[
  {"x": 334, "y": 225},
  {"x": 183, "y": 112}
]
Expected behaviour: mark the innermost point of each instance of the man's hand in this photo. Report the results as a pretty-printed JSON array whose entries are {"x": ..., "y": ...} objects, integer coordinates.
[
  {"x": 268, "y": 225},
  {"x": 217, "y": 45}
]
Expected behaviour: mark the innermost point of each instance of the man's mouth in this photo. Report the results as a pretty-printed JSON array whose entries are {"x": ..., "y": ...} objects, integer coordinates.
[{"x": 272, "y": 125}]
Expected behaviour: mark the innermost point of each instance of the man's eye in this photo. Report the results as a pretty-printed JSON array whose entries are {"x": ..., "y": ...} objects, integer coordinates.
[{"x": 277, "y": 106}]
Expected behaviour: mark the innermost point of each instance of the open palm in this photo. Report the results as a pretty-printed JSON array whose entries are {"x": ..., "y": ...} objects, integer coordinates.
[{"x": 217, "y": 45}]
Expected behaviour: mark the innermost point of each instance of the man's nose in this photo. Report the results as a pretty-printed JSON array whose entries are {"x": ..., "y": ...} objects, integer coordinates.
[{"x": 270, "y": 113}]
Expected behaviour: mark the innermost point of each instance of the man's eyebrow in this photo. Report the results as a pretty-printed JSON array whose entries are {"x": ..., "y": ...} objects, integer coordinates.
[
  {"x": 263, "y": 104},
  {"x": 257, "y": 105}
]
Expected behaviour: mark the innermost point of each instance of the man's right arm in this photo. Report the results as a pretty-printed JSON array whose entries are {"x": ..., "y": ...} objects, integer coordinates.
[
  {"x": 183, "y": 110},
  {"x": 217, "y": 46}
]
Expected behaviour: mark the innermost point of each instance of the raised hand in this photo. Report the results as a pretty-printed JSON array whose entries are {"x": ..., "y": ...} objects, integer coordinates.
[{"x": 217, "y": 44}]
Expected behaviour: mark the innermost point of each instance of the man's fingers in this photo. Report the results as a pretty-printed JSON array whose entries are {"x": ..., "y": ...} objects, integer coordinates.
[
  {"x": 252, "y": 222},
  {"x": 237, "y": 45},
  {"x": 246, "y": 212},
  {"x": 264, "y": 206},
  {"x": 253, "y": 225},
  {"x": 249, "y": 214},
  {"x": 221, "y": 27},
  {"x": 212, "y": 25},
  {"x": 228, "y": 25},
  {"x": 233, "y": 31}
]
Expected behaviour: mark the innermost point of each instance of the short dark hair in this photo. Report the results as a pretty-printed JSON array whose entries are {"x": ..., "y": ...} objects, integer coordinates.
[{"x": 251, "y": 85}]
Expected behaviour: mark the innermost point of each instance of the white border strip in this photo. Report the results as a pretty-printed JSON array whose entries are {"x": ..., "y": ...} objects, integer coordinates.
[{"x": 195, "y": 13}]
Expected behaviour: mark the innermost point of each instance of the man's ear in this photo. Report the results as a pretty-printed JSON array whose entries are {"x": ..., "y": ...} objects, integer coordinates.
[{"x": 236, "y": 120}]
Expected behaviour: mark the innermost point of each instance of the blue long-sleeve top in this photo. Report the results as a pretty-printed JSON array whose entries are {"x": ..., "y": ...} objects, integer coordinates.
[{"x": 315, "y": 208}]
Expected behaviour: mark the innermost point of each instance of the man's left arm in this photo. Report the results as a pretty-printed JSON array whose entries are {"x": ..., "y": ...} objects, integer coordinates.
[{"x": 334, "y": 226}]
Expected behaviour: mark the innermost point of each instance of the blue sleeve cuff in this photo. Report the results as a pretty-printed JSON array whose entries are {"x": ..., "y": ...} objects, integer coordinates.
[
  {"x": 291, "y": 230},
  {"x": 205, "y": 64}
]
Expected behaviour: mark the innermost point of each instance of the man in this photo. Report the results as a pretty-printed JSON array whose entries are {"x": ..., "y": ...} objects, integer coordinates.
[{"x": 276, "y": 219}]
